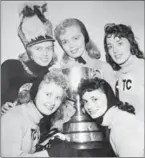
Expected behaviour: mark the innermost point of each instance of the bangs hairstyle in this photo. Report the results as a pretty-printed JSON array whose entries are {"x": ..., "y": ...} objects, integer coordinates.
[
  {"x": 60, "y": 29},
  {"x": 54, "y": 76},
  {"x": 91, "y": 47},
  {"x": 121, "y": 31},
  {"x": 98, "y": 84}
]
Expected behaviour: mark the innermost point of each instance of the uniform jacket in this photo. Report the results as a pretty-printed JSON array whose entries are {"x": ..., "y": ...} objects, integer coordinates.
[
  {"x": 131, "y": 85},
  {"x": 126, "y": 133},
  {"x": 16, "y": 73},
  {"x": 20, "y": 132}
]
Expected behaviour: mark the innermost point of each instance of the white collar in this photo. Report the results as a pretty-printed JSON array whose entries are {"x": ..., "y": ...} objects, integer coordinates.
[
  {"x": 33, "y": 113},
  {"x": 110, "y": 116},
  {"x": 129, "y": 65}
]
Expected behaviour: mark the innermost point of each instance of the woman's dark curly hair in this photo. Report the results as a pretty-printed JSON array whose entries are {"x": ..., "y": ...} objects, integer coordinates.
[
  {"x": 89, "y": 85},
  {"x": 121, "y": 31}
]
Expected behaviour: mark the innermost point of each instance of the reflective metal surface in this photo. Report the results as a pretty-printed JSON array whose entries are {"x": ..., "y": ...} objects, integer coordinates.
[{"x": 82, "y": 130}]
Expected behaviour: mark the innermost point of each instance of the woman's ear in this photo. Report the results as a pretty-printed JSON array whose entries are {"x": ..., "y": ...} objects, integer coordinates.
[{"x": 83, "y": 110}]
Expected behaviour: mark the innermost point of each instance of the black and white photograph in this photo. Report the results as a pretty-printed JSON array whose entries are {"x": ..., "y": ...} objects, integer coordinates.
[{"x": 72, "y": 79}]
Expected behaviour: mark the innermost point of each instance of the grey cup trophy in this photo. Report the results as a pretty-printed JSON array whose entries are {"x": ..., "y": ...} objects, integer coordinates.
[{"x": 83, "y": 131}]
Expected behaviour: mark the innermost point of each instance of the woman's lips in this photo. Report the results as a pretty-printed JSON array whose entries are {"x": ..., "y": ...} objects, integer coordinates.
[
  {"x": 118, "y": 56},
  {"x": 45, "y": 59},
  {"x": 49, "y": 107},
  {"x": 93, "y": 112},
  {"x": 74, "y": 51}
]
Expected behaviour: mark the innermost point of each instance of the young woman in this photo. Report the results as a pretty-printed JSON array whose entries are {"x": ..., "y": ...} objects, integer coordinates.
[
  {"x": 125, "y": 57},
  {"x": 74, "y": 39},
  {"x": 126, "y": 131},
  {"x": 19, "y": 127},
  {"x": 35, "y": 32}
]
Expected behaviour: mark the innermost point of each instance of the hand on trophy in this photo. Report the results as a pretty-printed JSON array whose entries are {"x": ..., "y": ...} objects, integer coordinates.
[{"x": 69, "y": 110}]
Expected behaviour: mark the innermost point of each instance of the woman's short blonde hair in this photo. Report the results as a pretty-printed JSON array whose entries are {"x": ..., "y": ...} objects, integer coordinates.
[{"x": 91, "y": 47}]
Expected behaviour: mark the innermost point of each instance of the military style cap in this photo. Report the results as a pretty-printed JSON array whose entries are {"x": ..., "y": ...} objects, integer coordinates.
[{"x": 34, "y": 26}]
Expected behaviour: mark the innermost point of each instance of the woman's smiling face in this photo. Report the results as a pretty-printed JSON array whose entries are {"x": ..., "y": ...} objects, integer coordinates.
[
  {"x": 49, "y": 98},
  {"x": 95, "y": 103},
  {"x": 119, "y": 49},
  {"x": 42, "y": 53},
  {"x": 72, "y": 41}
]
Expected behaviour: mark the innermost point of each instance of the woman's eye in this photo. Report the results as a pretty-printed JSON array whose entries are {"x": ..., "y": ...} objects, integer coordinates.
[
  {"x": 94, "y": 99},
  {"x": 49, "y": 48},
  {"x": 120, "y": 43},
  {"x": 48, "y": 94},
  {"x": 109, "y": 47},
  {"x": 38, "y": 48},
  {"x": 58, "y": 98},
  {"x": 77, "y": 37},
  {"x": 64, "y": 42}
]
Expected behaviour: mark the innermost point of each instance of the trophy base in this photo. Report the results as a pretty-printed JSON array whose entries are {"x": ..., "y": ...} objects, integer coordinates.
[{"x": 89, "y": 145}]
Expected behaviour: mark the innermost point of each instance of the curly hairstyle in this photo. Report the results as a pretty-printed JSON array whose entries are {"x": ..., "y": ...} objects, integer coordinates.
[
  {"x": 89, "y": 85},
  {"x": 121, "y": 31},
  {"x": 92, "y": 49},
  {"x": 56, "y": 76}
]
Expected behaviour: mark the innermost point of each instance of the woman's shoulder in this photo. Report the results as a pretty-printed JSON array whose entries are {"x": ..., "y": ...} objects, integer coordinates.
[
  {"x": 106, "y": 70},
  {"x": 140, "y": 65},
  {"x": 102, "y": 64},
  {"x": 11, "y": 64},
  {"x": 12, "y": 69},
  {"x": 105, "y": 65},
  {"x": 14, "y": 115}
]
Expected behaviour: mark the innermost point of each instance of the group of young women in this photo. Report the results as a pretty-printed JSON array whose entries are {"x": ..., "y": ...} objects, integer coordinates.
[{"x": 42, "y": 93}]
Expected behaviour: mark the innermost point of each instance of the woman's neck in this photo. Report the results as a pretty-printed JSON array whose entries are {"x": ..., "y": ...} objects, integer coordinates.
[
  {"x": 129, "y": 64},
  {"x": 85, "y": 55},
  {"x": 34, "y": 113}
]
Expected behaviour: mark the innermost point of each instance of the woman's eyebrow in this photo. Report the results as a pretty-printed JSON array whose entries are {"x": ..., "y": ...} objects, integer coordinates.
[
  {"x": 63, "y": 40},
  {"x": 93, "y": 97},
  {"x": 118, "y": 40},
  {"x": 108, "y": 44},
  {"x": 77, "y": 35}
]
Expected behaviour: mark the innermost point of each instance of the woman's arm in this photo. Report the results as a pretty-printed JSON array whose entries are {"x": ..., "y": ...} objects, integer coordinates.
[{"x": 11, "y": 79}]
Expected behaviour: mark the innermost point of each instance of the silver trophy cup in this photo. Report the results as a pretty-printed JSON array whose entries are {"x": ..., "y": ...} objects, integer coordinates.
[{"x": 83, "y": 131}]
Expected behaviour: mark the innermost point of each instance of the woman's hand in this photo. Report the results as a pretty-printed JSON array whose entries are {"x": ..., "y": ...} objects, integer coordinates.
[
  {"x": 7, "y": 106},
  {"x": 69, "y": 110},
  {"x": 58, "y": 136},
  {"x": 62, "y": 137}
]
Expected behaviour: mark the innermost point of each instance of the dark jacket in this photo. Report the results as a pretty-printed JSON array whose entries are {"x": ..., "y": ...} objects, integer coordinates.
[{"x": 15, "y": 73}]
